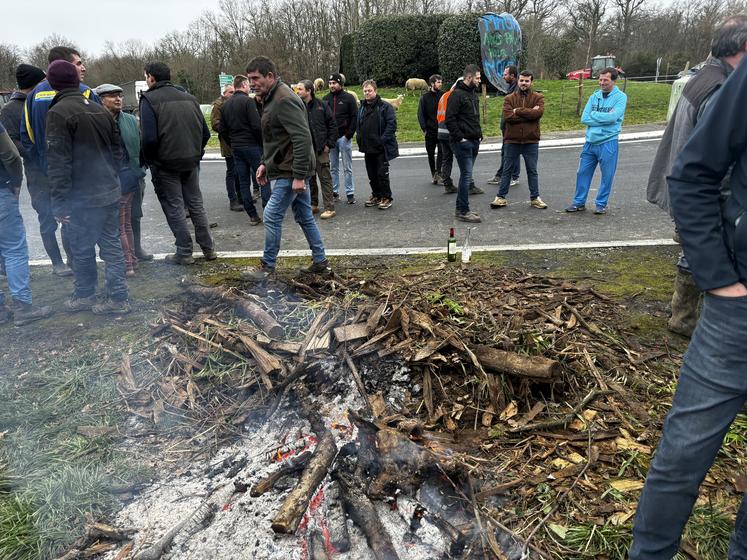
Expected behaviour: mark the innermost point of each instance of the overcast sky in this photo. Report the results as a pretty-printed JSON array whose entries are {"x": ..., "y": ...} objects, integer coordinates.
[{"x": 90, "y": 24}]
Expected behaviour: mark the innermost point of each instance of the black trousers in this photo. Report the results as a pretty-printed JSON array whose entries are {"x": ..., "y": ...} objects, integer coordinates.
[
  {"x": 179, "y": 191},
  {"x": 431, "y": 144},
  {"x": 447, "y": 161},
  {"x": 377, "y": 168}
]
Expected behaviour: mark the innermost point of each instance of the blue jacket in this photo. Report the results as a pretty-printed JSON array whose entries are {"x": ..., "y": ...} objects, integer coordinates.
[
  {"x": 603, "y": 116},
  {"x": 34, "y": 123},
  {"x": 714, "y": 231}
]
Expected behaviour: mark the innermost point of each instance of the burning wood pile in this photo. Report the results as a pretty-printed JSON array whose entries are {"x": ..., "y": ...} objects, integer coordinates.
[{"x": 446, "y": 414}]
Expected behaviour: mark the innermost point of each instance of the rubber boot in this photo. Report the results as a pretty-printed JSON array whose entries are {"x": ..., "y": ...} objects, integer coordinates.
[
  {"x": 685, "y": 303},
  {"x": 139, "y": 253}
]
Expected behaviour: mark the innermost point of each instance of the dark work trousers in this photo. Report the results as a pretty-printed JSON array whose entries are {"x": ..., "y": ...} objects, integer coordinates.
[
  {"x": 179, "y": 192},
  {"x": 325, "y": 179},
  {"x": 377, "y": 168},
  {"x": 89, "y": 227},
  {"x": 246, "y": 162},
  {"x": 233, "y": 187},
  {"x": 431, "y": 143},
  {"x": 512, "y": 164},
  {"x": 447, "y": 161},
  {"x": 41, "y": 201}
]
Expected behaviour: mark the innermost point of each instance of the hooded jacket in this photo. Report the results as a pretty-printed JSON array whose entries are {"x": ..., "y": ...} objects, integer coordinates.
[
  {"x": 288, "y": 148},
  {"x": 714, "y": 231},
  {"x": 603, "y": 115},
  {"x": 463, "y": 114},
  {"x": 377, "y": 128},
  {"x": 695, "y": 98},
  {"x": 33, "y": 127},
  {"x": 173, "y": 128},
  {"x": 85, "y": 154}
]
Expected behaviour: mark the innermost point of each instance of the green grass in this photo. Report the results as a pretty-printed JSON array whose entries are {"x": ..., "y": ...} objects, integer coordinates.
[{"x": 647, "y": 103}]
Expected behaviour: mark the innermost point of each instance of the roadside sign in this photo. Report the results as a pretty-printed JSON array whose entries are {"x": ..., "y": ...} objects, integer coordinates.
[{"x": 224, "y": 80}]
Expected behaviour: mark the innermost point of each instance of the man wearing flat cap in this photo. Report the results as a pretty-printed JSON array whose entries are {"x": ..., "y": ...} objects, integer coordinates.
[{"x": 345, "y": 110}]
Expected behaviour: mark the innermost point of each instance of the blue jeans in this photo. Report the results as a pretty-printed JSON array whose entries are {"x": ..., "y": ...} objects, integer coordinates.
[
  {"x": 282, "y": 197},
  {"x": 13, "y": 248},
  {"x": 711, "y": 391},
  {"x": 604, "y": 154},
  {"x": 465, "y": 153},
  {"x": 344, "y": 149},
  {"x": 246, "y": 161},
  {"x": 512, "y": 164},
  {"x": 89, "y": 227}
]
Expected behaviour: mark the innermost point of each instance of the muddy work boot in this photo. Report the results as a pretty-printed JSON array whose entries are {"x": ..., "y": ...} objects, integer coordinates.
[
  {"x": 685, "y": 303},
  {"x": 75, "y": 304},
  {"x": 111, "y": 307},
  {"x": 318, "y": 268},
  {"x": 24, "y": 313}
]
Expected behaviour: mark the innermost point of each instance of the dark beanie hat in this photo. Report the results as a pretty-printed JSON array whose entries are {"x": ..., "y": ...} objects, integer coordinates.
[
  {"x": 62, "y": 75},
  {"x": 28, "y": 76},
  {"x": 336, "y": 78}
]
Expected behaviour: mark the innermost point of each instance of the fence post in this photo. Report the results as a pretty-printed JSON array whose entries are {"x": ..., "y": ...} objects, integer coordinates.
[
  {"x": 580, "y": 95},
  {"x": 562, "y": 96},
  {"x": 484, "y": 104}
]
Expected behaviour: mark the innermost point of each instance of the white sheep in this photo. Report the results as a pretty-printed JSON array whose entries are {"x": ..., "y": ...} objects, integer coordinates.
[
  {"x": 416, "y": 83},
  {"x": 319, "y": 84},
  {"x": 395, "y": 102},
  {"x": 355, "y": 96}
]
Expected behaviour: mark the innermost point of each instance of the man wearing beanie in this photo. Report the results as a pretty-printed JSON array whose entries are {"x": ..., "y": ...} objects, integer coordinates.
[
  {"x": 345, "y": 110},
  {"x": 175, "y": 134},
  {"x": 84, "y": 164},
  {"x": 33, "y": 138}
]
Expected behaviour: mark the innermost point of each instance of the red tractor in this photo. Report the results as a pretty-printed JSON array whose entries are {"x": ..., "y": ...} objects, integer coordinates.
[{"x": 598, "y": 63}]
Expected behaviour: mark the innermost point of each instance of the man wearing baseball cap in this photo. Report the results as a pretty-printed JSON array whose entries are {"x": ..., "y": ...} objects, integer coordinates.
[{"x": 345, "y": 110}]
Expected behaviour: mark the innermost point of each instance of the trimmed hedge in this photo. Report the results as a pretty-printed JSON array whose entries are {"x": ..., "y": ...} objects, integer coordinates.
[
  {"x": 391, "y": 49},
  {"x": 347, "y": 59},
  {"x": 458, "y": 45}
]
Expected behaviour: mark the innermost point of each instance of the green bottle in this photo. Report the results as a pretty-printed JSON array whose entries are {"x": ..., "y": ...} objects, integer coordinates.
[{"x": 451, "y": 247}]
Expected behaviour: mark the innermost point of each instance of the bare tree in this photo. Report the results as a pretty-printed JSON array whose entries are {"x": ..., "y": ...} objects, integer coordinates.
[
  {"x": 587, "y": 17},
  {"x": 10, "y": 57}
]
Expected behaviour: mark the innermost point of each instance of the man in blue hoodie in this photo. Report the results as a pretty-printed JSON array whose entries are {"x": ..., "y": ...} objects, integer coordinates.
[{"x": 603, "y": 117}]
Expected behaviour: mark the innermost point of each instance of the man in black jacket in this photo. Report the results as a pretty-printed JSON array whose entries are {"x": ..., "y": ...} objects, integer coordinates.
[
  {"x": 465, "y": 135},
  {"x": 324, "y": 136},
  {"x": 174, "y": 135},
  {"x": 712, "y": 387},
  {"x": 344, "y": 109},
  {"x": 427, "y": 110},
  {"x": 84, "y": 163},
  {"x": 241, "y": 126}
]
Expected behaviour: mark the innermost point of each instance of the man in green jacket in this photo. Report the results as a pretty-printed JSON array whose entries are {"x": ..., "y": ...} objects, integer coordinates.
[{"x": 288, "y": 162}]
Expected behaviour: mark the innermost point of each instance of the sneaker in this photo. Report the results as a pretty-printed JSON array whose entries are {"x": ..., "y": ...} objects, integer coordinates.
[
  {"x": 75, "y": 304},
  {"x": 372, "y": 201},
  {"x": 236, "y": 206},
  {"x": 468, "y": 217},
  {"x": 537, "y": 203},
  {"x": 210, "y": 254},
  {"x": 255, "y": 220},
  {"x": 318, "y": 268},
  {"x": 474, "y": 189},
  {"x": 327, "y": 214},
  {"x": 314, "y": 209},
  {"x": 385, "y": 203},
  {"x": 450, "y": 189},
  {"x": 24, "y": 313},
  {"x": 61, "y": 270},
  {"x": 179, "y": 259},
  {"x": 258, "y": 274},
  {"x": 111, "y": 307},
  {"x": 513, "y": 182},
  {"x": 495, "y": 180},
  {"x": 351, "y": 199},
  {"x": 435, "y": 179},
  {"x": 499, "y": 202},
  {"x": 574, "y": 208},
  {"x": 600, "y": 209}
]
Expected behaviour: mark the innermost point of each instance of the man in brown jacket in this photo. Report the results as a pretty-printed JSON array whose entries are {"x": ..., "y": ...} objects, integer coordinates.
[
  {"x": 522, "y": 111},
  {"x": 232, "y": 179}
]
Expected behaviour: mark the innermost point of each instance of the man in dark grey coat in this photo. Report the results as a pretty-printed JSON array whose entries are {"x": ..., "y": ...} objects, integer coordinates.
[{"x": 727, "y": 51}]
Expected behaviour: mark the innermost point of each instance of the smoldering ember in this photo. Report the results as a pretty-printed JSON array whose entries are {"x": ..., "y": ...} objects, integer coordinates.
[{"x": 442, "y": 412}]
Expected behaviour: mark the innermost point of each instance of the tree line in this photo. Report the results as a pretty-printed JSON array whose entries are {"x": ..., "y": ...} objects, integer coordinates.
[{"x": 304, "y": 37}]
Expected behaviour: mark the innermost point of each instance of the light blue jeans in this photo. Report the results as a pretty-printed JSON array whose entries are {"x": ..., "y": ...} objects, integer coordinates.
[
  {"x": 281, "y": 198},
  {"x": 13, "y": 248},
  {"x": 711, "y": 392},
  {"x": 604, "y": 154},
  {"x": 344, "y": 150}
]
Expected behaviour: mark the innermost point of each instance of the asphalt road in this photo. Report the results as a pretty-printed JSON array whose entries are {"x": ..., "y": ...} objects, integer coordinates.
[{"x": 422, "y": 213}]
